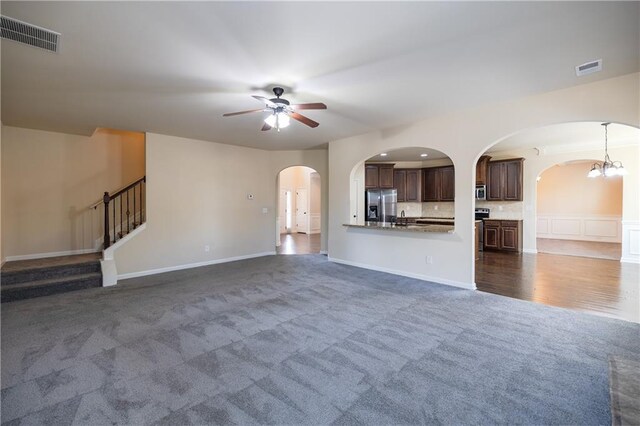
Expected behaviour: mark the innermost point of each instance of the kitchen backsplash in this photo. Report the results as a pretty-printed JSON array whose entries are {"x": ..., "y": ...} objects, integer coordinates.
[
  {"x": 441, "y": 209},
  {"x": 513, "y": 210},
  {"x": 444, "y": 209},
  {"x": 509, "y": 210},
  {"x": 410, "y": 209}
]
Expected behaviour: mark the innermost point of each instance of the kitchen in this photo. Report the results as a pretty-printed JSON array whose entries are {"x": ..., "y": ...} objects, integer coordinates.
[{"x": 413, "y": 190}]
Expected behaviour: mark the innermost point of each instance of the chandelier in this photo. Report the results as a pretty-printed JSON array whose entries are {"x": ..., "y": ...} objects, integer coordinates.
[{"x": 607, "y": 167}]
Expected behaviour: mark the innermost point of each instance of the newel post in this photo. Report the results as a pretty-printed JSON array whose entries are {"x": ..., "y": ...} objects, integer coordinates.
[{"x": 107, "y": 238}]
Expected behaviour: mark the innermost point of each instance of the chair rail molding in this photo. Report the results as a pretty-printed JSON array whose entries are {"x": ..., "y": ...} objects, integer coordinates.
[{"x": 582, "y": 228}]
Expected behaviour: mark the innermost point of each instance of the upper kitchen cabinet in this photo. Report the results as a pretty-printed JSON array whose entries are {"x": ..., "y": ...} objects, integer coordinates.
[
  {"x": 386, "y": 176},
  {"x": 481, "y": 170},
  {"x": 412, "y": 192},
  {"x": 371, "y": 176},
  {"x": 407, "y": 184},
  {"x": 438, "y": 184},
  {"x": 504, "y": 180},
  {"x": 378, "y": 176}
]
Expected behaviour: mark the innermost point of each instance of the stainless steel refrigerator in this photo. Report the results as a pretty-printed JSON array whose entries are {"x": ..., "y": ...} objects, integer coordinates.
[{"x": 381, "y": 205}]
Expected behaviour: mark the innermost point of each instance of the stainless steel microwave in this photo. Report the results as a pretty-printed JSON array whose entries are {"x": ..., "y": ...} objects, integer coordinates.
[{"x": 481, "y": 192}]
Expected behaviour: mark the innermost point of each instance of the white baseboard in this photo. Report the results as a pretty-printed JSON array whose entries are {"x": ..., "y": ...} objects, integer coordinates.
[
  {"x": 324, "y": 252},
  {"x": 193, "y": 265},
  {"x": 531, "y": 251},
  {"x": 50, "y": 254},
  {"x": 459, "y": 284}
]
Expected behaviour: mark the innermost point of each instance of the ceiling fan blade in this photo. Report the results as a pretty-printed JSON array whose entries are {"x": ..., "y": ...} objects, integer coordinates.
[
  {"x": 315, "y": 105},
  {"x": 266, "y": 101},
  {"x": 230, "y": 114},
  {"x": 305, "y": 120},
  {"x": 266, "y": 127}
]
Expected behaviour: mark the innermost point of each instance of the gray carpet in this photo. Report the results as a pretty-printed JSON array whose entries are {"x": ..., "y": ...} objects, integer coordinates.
[{"x": 299, "y": 340}]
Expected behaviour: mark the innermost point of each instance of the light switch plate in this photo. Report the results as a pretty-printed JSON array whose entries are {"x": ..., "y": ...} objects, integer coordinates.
[{"x": 265, "y": 210}]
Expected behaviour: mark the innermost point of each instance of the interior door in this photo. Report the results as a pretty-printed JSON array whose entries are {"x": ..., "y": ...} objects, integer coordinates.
[
  {"x": 283, "y": 211},
  {"x": 302, "y": 215}
]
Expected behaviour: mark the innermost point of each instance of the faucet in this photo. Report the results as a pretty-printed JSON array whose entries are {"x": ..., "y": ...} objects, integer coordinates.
[{"x": 403, "y": 220}]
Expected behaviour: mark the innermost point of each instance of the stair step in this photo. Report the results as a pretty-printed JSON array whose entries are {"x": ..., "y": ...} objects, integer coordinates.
[
  {"x": 49, "y": 272},
  {"x": 46, "y": 287}
]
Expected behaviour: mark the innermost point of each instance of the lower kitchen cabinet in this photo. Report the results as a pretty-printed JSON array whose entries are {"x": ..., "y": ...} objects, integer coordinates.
[{"x": 503, "y": 235}]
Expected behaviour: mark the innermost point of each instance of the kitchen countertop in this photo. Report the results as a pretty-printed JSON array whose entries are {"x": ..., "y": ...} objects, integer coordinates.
[{"x": 442, "y": 229}]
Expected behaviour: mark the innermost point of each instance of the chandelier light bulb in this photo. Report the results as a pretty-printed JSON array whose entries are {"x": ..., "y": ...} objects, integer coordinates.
[{"x": 594, "y": 173}]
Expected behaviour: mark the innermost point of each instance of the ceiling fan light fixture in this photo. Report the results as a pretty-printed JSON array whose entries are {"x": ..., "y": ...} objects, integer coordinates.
[
  {"x": 279, "y": 120},
  {"x": 283, "y": 120}
]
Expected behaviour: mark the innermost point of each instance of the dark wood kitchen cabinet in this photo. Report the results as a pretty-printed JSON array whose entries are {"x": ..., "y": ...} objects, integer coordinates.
[
  {"x": 438, "y": 184},
  {"x": 447, "y": 184},
  {"x": 504, "y": 180},
  {"x": 503, "y": 235},
  {"x": 412, "y": 192},
  {"x": 400, "y": 183},
  {"x": 407, "y": 184},
  {"x": 378, "y": 176},
  {"x": 385, "y": 176},
  {"x": 481, "y": 170},
  {"x": 371, "y": 176}
]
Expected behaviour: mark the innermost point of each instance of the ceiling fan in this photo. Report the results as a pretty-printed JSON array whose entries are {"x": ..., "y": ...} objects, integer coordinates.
[{"x": 280, "y": 110}]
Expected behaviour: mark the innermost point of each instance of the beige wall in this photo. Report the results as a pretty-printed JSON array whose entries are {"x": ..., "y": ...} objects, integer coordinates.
[
  {"x": 50, "y": 179},
  {"x": 566, "y": 190},
  {"x": 464, "y": 136},
  {"x": 197, "y": 196}
]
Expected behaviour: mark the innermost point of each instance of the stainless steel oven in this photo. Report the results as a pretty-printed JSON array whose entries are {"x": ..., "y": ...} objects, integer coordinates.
[{"x": 481, "y": 192}]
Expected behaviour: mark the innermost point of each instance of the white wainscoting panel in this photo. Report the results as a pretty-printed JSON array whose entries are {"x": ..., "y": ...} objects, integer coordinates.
[
  {"x": 583, "y": 228},
  {"x": 316, "y": 221},
  {"x": 631, "y": 241}
]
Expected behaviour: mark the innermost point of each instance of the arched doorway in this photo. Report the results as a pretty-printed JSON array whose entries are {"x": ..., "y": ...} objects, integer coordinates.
[
  {"x": 552, "y": 156},
  {"x": 299, "y": 217}
]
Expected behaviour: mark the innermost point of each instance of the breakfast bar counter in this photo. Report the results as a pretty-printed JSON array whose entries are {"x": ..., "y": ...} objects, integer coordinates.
[{"x": 442, "y": 229}]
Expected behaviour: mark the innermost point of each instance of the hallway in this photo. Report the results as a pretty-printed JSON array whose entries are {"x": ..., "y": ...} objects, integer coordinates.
[{"x": 299, "y": 244}]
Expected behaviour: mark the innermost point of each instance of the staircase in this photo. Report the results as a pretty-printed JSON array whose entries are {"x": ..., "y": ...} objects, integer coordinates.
[
  {"x": 24, "y": 279},
  {"x": 124, "y": 211}
]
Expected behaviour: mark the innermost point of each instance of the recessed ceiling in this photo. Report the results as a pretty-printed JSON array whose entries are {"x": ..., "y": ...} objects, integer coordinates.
[
  {"x": 409, "y": 154},
  {"x": 175, "y": 67}
]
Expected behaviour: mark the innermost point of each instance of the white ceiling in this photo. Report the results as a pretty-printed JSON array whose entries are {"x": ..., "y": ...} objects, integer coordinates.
[
  {"x": 409, "y": 154},
  {"x": 175, "y": 67},
  {"x": 586, "y": 135}
]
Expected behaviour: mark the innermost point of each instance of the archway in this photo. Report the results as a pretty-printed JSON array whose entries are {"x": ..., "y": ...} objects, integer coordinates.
[
  {"x": 299, "y": 211},
  {"x": 536, "y": 275}
]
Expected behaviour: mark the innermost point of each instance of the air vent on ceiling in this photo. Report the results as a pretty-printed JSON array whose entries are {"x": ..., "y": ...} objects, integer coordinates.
[
  {"x": 589, "y": 67},
  {"x": 19, "y": 31}
]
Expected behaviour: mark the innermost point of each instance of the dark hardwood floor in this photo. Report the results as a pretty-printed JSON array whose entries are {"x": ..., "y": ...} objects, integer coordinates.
[
  {"x": 600, "y": 286},
  {"x": 299, "y": 244}
]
